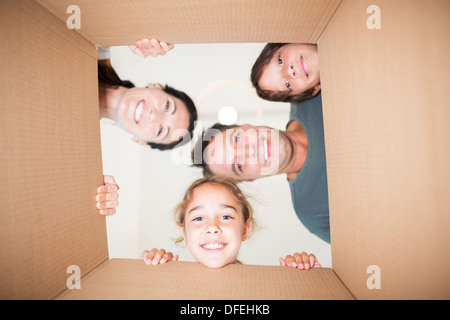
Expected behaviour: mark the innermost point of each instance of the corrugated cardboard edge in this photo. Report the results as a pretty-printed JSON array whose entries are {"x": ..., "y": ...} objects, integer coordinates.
[
  {"x": 385, "y": 97},
  {"x": 50, "y": 156},
  {"x": 330, "y": 21},
  {"x": 133, "y": 279},
  {"x": 112, "y": 23}
]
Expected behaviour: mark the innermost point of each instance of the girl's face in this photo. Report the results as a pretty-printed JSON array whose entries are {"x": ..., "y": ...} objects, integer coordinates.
[
  {"x": 214, "y": 226},
  {"x": 152, "y": 115},
  {"x": 294, "y": 68}
]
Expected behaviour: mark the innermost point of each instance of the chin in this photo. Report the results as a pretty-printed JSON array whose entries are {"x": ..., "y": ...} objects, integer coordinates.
[{"x": 215, "y": 265}]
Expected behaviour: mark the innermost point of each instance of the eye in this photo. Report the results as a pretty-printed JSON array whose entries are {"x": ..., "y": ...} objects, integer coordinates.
[
  {"x": 166, "y": 107},
  {"x": 198, "y": 219},
  {"x": 280, "y": 61},
  {"x": 288, "y": 85},
  {"x": 227, "y": 217},
  {"x": 159, "y": 131},
  {"x": 237, "y": 138},
  {"x": 239, "y": 167}
]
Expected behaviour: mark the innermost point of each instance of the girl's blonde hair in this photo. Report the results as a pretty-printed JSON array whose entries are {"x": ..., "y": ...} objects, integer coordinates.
[{"x": 228, "y": 184}]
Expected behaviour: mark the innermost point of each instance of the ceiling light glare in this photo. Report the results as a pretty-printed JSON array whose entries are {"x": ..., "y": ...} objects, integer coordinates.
[{"x": 227, "y": 115}]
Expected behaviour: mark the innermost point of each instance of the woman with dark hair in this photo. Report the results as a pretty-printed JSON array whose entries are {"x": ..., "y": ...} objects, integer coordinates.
[{"x": 157, "y": 115}]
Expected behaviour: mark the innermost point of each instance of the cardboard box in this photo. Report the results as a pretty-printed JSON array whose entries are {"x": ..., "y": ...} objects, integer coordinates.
[{"x": 386, "y": 93}]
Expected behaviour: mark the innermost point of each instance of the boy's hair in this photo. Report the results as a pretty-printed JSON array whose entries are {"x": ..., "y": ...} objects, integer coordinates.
[
  {"x": 198, "y": 159},
  {"x": 108, "y": 77},
  {"x": 228, "y": 183},
  {"x": 283, "y": 96}
]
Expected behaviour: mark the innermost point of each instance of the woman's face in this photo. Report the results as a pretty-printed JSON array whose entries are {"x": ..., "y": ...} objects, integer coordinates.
[
  {"x": 152, "y": 115},
  {"x": 214, "y": 226},
  {"x": 294, "y": 68}
]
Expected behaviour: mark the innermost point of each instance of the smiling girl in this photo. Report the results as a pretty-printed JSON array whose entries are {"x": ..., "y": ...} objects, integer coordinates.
[{"x": 214, "y": 219}]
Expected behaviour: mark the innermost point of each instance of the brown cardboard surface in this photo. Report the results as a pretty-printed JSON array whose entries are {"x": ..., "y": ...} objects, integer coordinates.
[
  {"x": 50, "y": 167},
  {"x": 133, "y": 279},
  {"x": 386, "y": 116},
  {"x": 110, "y": 23},
  {"x": 50, "y": 159},
  {"x": 386, "y": 100}
]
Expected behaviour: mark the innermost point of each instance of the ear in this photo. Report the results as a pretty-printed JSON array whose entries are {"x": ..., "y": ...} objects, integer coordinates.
[
  {"x": 155, "y": 86},
  {"x": 247, "y": 229},
  {"x": 316, "y": 90},
  {"x": 182, "y": 232},
  {"x": 141, "y": 142}
]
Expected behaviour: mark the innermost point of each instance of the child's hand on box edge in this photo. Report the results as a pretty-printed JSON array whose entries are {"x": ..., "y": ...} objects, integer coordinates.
[
  {"x": 302, "y": 261},
  {"x": 107, "y": 196},
  {"x": 151, "y": 47},
  {"x": 156, "y": 256}
]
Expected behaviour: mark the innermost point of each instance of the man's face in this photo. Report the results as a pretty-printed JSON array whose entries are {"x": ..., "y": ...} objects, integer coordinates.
[{"x": 247, "y": 152}]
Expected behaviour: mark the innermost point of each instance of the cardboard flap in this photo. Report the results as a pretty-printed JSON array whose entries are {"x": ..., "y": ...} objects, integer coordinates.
[
  {"x": 386, "y": 96},
  {"x": 112, "y": 23},
  {"x": 50, "y": 157},
  {"x": 133, "y": 279}
]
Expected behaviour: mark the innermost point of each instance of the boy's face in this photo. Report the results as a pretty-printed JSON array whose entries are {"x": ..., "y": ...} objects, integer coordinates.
[
  {"x": 294, "y": 68},
  {"x": 214, "y": 226}
]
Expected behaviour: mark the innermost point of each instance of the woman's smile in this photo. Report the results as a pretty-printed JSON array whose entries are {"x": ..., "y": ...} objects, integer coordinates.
[{"x": 139, "y": 111}]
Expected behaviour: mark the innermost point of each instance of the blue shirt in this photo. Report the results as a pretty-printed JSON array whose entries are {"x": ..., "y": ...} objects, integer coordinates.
[{"x": 309, "y": 190}]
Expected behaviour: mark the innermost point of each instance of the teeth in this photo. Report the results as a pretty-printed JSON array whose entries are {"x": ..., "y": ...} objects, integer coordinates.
[
  {"x": 266, "y": 152},
  {"x": 213, "y": 246},
  {"x": 138, "y": 112}
]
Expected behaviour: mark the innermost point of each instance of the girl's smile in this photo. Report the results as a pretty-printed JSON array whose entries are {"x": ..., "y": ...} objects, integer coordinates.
[{"x": 214, "y": 226}]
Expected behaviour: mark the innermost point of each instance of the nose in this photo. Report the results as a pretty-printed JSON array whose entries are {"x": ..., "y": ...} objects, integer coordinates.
[
  {"x": 291, "y": 70},
  {"x": 155, "y": 115},
  {"x": 213, "y": 228},
  {"x": 246, "y": 149}
]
